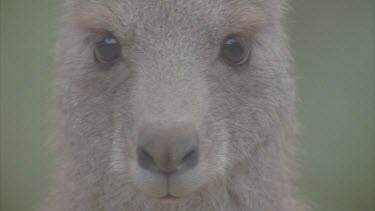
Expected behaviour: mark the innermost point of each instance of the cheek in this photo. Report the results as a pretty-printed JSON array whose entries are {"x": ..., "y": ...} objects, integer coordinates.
[
  {"x": 232, "y": 108},
  {"x": 214, "y": 144},
  {"x": 86, "y": 105},
  {"x": 117, "y": 157},
  {"x": 124, "y": 141},
  {"x": 123, "y": 149}
]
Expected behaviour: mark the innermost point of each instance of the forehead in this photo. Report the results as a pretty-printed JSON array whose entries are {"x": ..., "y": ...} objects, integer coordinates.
[{"x": 177, "y": 15}]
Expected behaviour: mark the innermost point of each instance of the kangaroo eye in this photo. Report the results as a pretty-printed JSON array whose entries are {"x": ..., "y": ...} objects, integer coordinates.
[
  {"x": 107, "y": 50},
  {"x": 234, "y": 51}
]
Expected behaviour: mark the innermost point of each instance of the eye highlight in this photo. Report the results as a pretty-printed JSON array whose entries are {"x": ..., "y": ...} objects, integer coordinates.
[
  {"x": 234, "y": 50},
  {"x": 107, "y": 50}
]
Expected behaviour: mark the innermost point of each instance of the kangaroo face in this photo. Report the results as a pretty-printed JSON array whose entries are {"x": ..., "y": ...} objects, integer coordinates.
[{"x": 182, "y": 90}]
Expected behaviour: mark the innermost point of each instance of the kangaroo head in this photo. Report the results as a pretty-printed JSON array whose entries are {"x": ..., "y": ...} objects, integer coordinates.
[{"x": 180, "y": 90}]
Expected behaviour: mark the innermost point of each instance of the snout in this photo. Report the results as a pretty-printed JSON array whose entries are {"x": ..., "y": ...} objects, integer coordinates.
[
  {"x": 168, "y": 160},
  {"x": 168, "y": 150}
]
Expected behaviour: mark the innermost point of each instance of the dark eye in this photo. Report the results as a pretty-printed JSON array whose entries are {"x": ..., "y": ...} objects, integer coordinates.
[
  {"x": 234, "y": 51},
  {"x": 107, "y": 50}
]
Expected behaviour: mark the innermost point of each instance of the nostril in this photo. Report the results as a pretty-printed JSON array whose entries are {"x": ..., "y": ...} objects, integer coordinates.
[
  {"x": 190, "y": 159},
  {"x": 145, "y": 160}
]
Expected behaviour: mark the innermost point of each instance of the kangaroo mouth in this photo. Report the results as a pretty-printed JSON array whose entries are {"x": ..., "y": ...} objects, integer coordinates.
[{"x": 169, "y": 198}]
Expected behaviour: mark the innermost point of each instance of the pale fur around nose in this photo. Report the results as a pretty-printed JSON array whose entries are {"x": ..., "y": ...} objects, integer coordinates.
[{"x": 168, "y": 148}]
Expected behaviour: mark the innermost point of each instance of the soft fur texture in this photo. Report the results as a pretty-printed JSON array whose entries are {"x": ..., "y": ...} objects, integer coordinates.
[{"x": 171, "y": 71}]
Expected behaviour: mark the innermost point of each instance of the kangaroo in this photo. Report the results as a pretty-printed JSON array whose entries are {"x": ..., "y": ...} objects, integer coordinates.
[{"x": 174, "y": 105}]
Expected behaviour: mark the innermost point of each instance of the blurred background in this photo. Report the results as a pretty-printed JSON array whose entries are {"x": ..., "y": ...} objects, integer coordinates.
[{"x": 333, "y": 44}]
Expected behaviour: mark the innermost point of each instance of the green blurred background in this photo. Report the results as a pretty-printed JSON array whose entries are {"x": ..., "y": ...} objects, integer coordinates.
[{"x": 333, "y": 42}]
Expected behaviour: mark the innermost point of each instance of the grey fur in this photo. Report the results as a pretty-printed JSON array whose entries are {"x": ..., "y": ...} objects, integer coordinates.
[{"x": 171, "y": 72}]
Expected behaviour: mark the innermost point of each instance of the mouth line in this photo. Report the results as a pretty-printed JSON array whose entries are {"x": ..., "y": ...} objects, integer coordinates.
[{"x": 169, "y": 197}]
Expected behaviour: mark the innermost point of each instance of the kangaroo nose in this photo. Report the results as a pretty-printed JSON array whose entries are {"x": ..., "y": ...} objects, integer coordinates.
[{"x": 167, "y": 149}]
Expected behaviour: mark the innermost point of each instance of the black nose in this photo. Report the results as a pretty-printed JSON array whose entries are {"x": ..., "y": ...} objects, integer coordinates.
[{"x": 168, "y": 149}]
